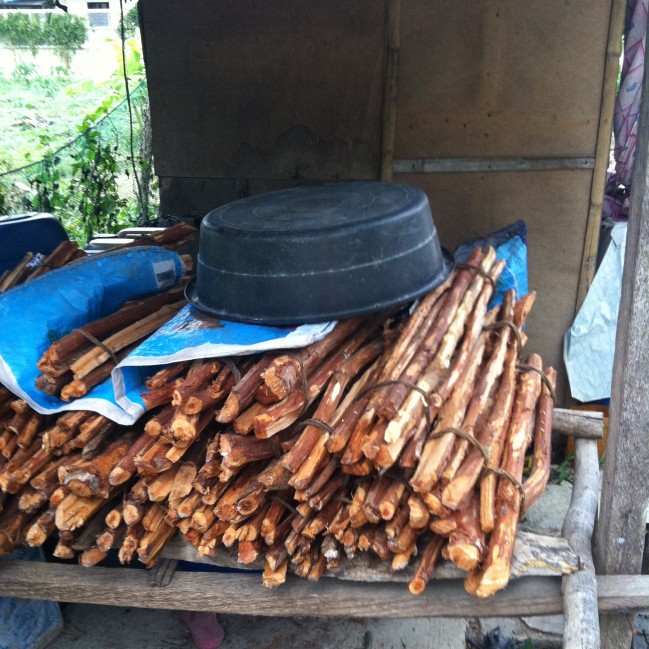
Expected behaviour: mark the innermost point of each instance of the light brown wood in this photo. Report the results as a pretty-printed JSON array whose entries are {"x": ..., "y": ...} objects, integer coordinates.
[{"x": 222, "y": 593}]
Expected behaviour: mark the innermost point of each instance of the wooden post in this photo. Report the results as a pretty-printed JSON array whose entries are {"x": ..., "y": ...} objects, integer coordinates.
[
  {"x": 390, "y": 88},
  {"x": 619, "y": 540},
  {"x": 602, "y": 150},
  {"x": 581, "y": 628}
]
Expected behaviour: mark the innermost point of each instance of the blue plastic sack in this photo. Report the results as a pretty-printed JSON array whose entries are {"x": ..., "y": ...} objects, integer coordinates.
[
  {"x": 510, "y": 244},
  {"x": 36, "y": 313}
]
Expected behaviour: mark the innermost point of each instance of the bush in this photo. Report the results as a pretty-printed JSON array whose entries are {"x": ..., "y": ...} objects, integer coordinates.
[
  {"x": 131, "y": 23},
  {"x": 22, "y": 31},
  {"x": 66, "y": 33}
]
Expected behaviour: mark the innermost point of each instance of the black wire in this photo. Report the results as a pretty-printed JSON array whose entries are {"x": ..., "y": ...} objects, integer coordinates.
[{"x": 130, "y": 114}]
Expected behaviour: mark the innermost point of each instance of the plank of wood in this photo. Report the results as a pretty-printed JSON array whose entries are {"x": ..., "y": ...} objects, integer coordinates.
[
  {"x": 602, "y": 149},
  {"x": 486, "y": 165},
  {"x": 229, "y": 593},
  {"x": 581, "y": 626},
  {"x": 534, "y": 555},
  {"x": 620, "y": 534},
  {"x": 587, "y": 424}
]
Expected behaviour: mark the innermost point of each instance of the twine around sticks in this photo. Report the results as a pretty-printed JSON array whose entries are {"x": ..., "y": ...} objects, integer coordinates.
[
  {"x": 282, "y": 501},
  {"x": 499, "y": 324},
  {"x": 97, "y": 343},
  {"x": 384, "y": 384},
  {"x": 485, "y": 455},
  {"x": 234, "y": 370},
  {"x": 548, "y": 384},
  {"x": 316, "y": 423},
  {"x": 479, "y": 271}
]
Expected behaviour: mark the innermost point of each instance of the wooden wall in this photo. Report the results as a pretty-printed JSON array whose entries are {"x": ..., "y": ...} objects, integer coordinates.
[{"x": 249, "y": 96}]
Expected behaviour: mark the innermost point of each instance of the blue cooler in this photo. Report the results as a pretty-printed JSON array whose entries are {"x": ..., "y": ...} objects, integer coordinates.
[{"x": 23, "y": 233}]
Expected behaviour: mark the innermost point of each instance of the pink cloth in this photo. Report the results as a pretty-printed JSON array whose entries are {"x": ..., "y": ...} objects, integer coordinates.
[{"x": 205, "y": 629}]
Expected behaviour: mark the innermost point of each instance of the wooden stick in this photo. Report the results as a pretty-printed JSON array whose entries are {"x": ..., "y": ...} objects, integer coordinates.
[
  {"x": 426, "y": 565},
  {"x": 538, "y": 478}
]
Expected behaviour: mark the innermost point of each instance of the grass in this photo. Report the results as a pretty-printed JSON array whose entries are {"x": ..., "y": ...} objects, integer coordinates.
[{"x": 37, "y": 115}]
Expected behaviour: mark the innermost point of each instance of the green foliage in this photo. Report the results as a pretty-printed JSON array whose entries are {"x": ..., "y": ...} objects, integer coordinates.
[
  {"x": 94, "y": 172},
  {"x": 564, "y": 471},
  {"x": 88, "y": 182},
  {"x": 47, "y": 185},
  {"x": 131, "y": 23},
  {"x": 66, "y": 33},
  {"x": 19, "y": 30}
]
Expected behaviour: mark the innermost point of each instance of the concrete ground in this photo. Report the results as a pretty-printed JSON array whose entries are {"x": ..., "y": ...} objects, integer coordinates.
[{"x": 106, "y": 627}]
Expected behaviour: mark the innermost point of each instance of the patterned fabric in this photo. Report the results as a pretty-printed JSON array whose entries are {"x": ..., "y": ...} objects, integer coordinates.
[{"x": 627, "y": 106}]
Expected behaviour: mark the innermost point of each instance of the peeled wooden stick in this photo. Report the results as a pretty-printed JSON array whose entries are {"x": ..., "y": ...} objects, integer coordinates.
[
  {"x": 426, "y": 565},
  {"x": 60, "y": 256},
  {"x": 243, "y": 393},
  {"x": 125, "y": 468},
  {"x": 436, "y": 451},
  {"x": 40, "y": 529},
  {"x": 493, "y": 574},
  {"x": 332, "y": 396},
  {"x": 413, "y": 334},
  {"x": 285, "y": 372},
  {"x": 134, "y": 332},
  {"x": 451, "y": 301},
  {"x": 164, "y": 376},
  {"x": 93, "y": 479},
  {"x": 274, "y": 577},
  {"x": 493, "y": 430},
  {"x": 127, "y": 314},
  {"x": 481, "y": 402},
  {"x": 79, "y": 387},
  {"x": 281, "y": 415},
  {"x": 406, "y": 420},
  {"x": 538, "y": 478},
  {"x": 467, "y": 543}
]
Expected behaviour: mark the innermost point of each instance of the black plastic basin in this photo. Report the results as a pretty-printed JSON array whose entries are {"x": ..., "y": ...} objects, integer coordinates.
[{"x": 313, "y": 254}]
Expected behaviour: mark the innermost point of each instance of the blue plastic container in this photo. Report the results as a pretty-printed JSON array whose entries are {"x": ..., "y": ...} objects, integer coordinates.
[{"x": 23, "y": 233}]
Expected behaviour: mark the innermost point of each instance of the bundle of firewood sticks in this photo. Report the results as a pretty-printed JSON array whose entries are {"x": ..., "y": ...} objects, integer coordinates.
[
  {"x": 85, "y": 357},
  {"x": 32, "y": 266},
  {"x": 400, "y": 435}
]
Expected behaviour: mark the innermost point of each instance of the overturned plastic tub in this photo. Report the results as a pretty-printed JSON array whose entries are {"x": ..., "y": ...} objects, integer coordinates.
[{"x": 317, "y": 253}]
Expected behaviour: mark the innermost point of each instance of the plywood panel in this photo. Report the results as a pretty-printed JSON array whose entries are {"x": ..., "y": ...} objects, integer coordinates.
[
  {"x": 554, "y": 206},
  {"x": 500, "y": 77},
  {"x": 251, "y": 88}
]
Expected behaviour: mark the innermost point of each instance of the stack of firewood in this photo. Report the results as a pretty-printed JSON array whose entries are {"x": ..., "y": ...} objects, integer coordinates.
[
  {"x": 402, "y": 436},
  {"x": 79, "y": 361},
  {"x": 66, "y": 252}
]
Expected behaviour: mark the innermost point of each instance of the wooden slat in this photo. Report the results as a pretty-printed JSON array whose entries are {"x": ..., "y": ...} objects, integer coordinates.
[
  {"x": 586, "y": 424},
  {"x": 242, "y": 593},
  {"x": 482, "y": 165}
]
